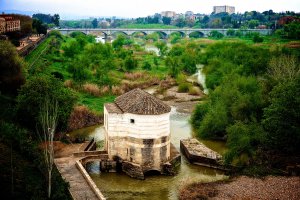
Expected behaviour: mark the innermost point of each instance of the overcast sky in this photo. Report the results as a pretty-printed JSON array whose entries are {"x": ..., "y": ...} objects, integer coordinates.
[{"x": 141, "y": 8}]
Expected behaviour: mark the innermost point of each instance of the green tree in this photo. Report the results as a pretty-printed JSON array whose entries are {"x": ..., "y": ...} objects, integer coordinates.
[
  {"x": 32, "y": 95},
  {"x": 281, "y": 117},
  {"x": 130, "y": 63},
  {"x": 39, "y": 27},
  {"x": 243, "y": 141},
  {"x": 216, "y": 34},
  {"x": 56, "y": 19},
  {"x": 95, "y": 23},
  {"x": 163, "y": 48},
  {"x": 11, "y": 68},
  {"x": 166, "y": 20}
]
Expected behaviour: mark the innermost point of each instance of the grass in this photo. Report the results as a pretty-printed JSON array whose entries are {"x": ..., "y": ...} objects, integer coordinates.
[
  {"x": 95, "y": 103},
  {"x": 30, "y": 58}
]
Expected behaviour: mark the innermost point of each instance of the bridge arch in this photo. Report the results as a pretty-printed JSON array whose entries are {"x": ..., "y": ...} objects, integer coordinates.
[
  {"x": 162, "y": 34},
  {"x": 98, "y": 33},
  {"x": 117, "y": 32},
  {"x": 196, "y": 34},
  {"x": 137, "y": 32},
  {"x": 75, "y": 31},
  {"x": 182, "y": 34}
]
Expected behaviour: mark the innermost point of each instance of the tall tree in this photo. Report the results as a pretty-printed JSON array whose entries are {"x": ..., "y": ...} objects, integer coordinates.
[
  {"x": 95, "y": 23},
  {"x": 48, "y": 122},
  {"x": 56, "y": 19}
]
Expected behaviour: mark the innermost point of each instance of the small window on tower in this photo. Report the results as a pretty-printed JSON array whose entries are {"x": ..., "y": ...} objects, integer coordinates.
[{"x": 132, "y": 121}]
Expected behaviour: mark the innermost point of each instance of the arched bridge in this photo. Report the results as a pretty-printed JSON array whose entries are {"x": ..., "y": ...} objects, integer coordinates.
[{"x": 165, "y": 32}]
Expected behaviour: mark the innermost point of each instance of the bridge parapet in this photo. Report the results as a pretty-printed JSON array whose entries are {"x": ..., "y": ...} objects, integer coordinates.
[{"x": 166, "y": 32}]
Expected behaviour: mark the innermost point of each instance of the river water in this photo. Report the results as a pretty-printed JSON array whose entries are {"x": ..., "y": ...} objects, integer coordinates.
[{"x": 156, "y": 187}]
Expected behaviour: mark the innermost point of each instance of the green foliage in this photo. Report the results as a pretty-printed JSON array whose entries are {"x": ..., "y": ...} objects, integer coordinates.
[
  {"x": 237, "y": 98},
  {"x": 39, "y": 27},
  {"x": 292, "y": 30},
  {"x": 196, "y": 35},
  {"x": 11, "y": 68},
  {"x": 183, "y": 87},
  {"x": 147, "y": 66},
  {"x": 163, "y": 48},
  {"x": 95, "y": 23},
  {"x": 216, "y": 34},
  {"x": 233, "y": 57},
  {"x": 230, "y": 32},
  {"x": 153, "y": 36},
  {"x": 34, "y": 92},
  {"x": 71, "y": 48},
  {"x": 243, "y": 141},
  {"x": 130, "y": 63},
  {"x": 30, "y": 180},
  {"x": 174, "y": 38},
  {"x": 257, "y": 38},
  {"x": 281, "y": 117}
]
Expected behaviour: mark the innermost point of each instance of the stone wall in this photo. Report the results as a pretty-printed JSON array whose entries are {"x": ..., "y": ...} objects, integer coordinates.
[{"x": 149, "y": 153}]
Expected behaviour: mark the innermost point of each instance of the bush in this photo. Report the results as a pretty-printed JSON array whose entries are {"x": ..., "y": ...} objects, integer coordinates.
[
  {"x": 183, "y": 87},
  {"x": 194, "y": 90},
  {"x": 92, "y": 89},
  {"x": 257, "y": 38},
  {"x": 82, "y": 117}
]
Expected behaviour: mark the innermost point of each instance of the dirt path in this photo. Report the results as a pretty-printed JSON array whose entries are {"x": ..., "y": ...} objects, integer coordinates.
[{"x": 246, "y": 188}]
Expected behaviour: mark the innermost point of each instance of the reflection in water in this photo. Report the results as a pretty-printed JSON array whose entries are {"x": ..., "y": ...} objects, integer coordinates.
[{"x": 121, "y": 186}]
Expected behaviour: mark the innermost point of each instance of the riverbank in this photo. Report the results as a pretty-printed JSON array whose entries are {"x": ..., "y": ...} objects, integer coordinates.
[{"x": 243, "y": 187}]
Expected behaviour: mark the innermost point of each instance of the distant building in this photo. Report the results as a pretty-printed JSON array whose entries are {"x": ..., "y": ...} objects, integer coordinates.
[
  {"x": 168, "y": 14},
  {"x": 2, "y": 25},
  {"x": 189, "y": 13},
  {"x": 9, "y": 24},
  {"x": 220, "y": 9}
]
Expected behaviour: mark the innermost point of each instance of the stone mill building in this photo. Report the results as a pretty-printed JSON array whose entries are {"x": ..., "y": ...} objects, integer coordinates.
[{"x": 137, "y": 127}]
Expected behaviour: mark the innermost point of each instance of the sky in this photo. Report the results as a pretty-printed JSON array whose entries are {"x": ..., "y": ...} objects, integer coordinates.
[{"x": 142, "y": 8}]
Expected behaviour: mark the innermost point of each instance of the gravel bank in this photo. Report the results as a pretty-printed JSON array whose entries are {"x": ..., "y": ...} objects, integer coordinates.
[{"x": 245, "y": 188}]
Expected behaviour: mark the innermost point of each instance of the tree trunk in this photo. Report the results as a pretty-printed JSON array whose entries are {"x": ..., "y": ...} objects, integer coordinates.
[{"x": 49, "y": 183}]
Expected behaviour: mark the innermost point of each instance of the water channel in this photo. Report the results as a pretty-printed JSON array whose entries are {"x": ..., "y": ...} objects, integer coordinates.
[{"x": 121, "y": 186}]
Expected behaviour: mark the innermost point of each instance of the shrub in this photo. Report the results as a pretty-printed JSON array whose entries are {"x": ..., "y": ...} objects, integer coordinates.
[
  {"x": 81, "y": 117},
  {"x": 116, "y": 90},
  {"x": 104, "y": 90},
  {"x": 134, "y": 75},
  {"x": 194, "y": 90},
  {"x": 183, "y": 87},
  {"x": 68, "y": 83},
  {"x": 92, "y": 89},
  {"x": 257, "y": 38}
]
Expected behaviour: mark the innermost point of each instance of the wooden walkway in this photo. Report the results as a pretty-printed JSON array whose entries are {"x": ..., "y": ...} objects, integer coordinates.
[{"x": 65, "y": 163}]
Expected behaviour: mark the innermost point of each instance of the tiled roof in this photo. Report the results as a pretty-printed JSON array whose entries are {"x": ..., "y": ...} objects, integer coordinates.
[{"x": 140, "y": 102}]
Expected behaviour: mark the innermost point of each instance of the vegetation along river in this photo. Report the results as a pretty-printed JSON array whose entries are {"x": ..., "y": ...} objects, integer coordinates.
[{"x": 121, "y": 186}]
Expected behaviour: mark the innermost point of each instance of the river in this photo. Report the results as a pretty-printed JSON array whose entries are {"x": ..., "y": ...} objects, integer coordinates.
[{"x": 121, "y": 186}]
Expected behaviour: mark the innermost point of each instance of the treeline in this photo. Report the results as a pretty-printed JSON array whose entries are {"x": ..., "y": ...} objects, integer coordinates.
[
  {"x": 22, "y": 163},
  {"x": 253, "y": 104}
]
